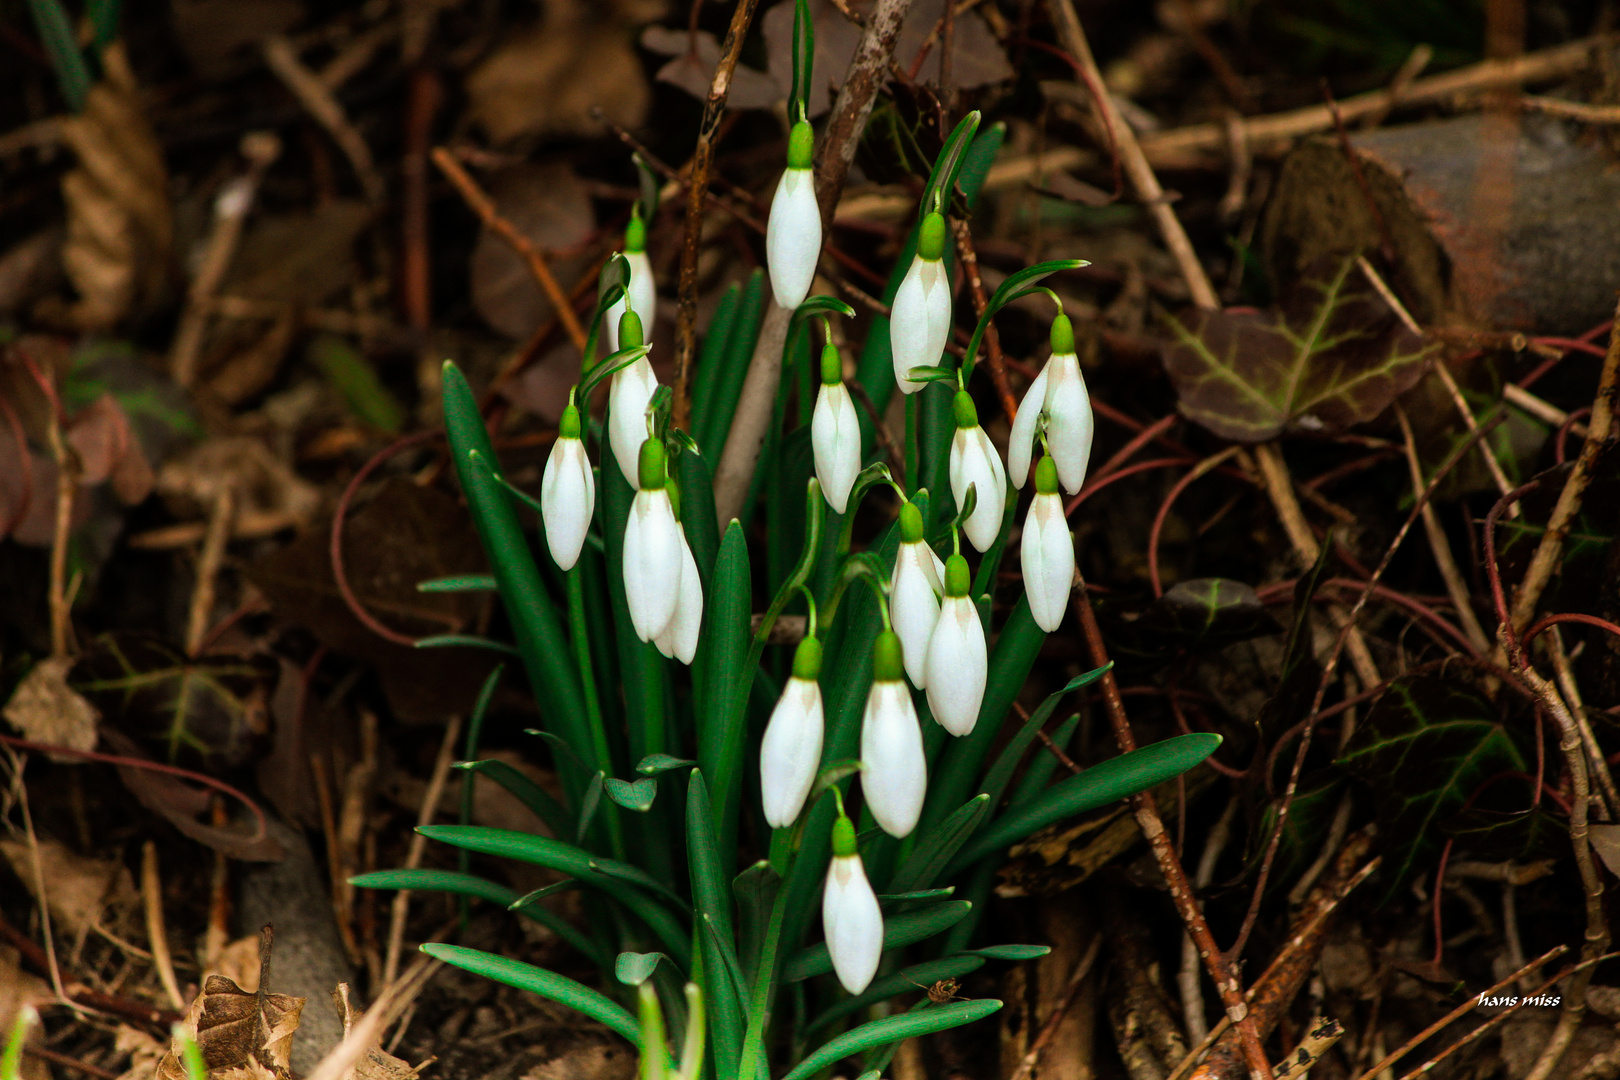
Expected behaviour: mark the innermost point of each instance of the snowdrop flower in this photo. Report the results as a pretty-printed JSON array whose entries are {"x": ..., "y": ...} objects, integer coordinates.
[
  {"x": 958, "y": 664},
  {"x": 1060, "y": 392},
  {"x": 914, "y": 589},
  {"x": 679, "y": 640},
  {"x": 632, "y": 389},
  {"x": 850, "y": 916},
  {"x": 920, "y": 320},
  {"x": 835, "y": 433},
  {"x": 791, "y": 750},
  {"x": 567, "y": 492},
  {"x": 894, "y": 774},
  {"x": 641, "y": 291},
  {"x": 793, "y": 233},
  {"x": 974, "y": 464},
  {"x": 653, "y": 565},
  {"x": 1048, "y": 550}
]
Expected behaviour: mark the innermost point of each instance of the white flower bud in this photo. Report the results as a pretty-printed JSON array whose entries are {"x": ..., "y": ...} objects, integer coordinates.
[
  {"x": 894, "y": 771},
  {"x": 920, "y": 318},
  {"x": 1060, "y": 392},
  {"x": 567, "y": 492},
  {"x": 1048, "y": 551},
  {"x": 679, "y": 640},
  {"x": 790, "y": 753},
  {"x": 835, "y": 434},
  {"x": 629, "y": 394},
  {"x": 652, "y": 550},
  {"x": 641, "y": 293},
  {"x": 958, "y": 663},
  {"x": 914, "y": 591},
  {"x": 974, "y": 463},
  {"x": 850, "y": 916},
  {"x": 793, "y": 233}
]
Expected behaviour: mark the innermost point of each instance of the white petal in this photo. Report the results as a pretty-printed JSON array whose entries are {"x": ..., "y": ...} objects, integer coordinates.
[
  {"x": 894, "y": 775},
  {"x": 791, "y": 752},
  {"x": 793, "y": 237},
  {"x": 1069, "y": 431},
  {"x": 914, "y": 591},
  {"x": 632, "y": 389},
  {"x": 974, "y": 462},
  {"x": 567, "y": 500},
  {"x": 852, "y": 922},
  {"x": 937, "y": 284},
  {"x": 958, "y": 666},
  {"x": 835, "y": 436},
  {"x": 908, "y": 328},
  {"x": 643, "y": 291},
  {"x": 679, "y": 640},
  {"x": 1021, "y": 446},
  {"x": 1048, "y": 561},
  {"x": 652, "y": 563}
]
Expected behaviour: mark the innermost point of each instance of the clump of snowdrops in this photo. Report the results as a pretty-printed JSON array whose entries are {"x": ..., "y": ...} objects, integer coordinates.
[{"x": 857, "y": 762}]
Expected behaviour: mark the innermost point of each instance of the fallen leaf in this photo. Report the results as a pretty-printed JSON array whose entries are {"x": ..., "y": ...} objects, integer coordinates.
[
  {"x": 44, "y": 709},
  {"x": 79, "y": 889},
  {"x": 238, "y": 961},
  {"x": 299, "y": 258},
  {"x": 144, "y": 1053},
  {"x": 241, "y": 1035},
  {"x": 216, "y": 35},
  {"x": 261, "y": 482},
  {"x": 377, "y": 1063},
  {"x": 30, "y": 267},
  {"x": 550, "y": 207},
  {"x": 696, "y": 56},
  {"x": 1333, "y": 355},
  {"x": 546, "y": 81},
  {"x": 120, "y": 227},
  {"x": 1606, "y": 842}
]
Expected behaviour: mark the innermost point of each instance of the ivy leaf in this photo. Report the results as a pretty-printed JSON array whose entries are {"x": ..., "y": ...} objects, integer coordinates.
[
  {"x": 1525, "y": 836},
  {"x": 1333, "y": 355},
  {"x": 1425, "y": 748},
  {"x": 1207, "y": 613}
]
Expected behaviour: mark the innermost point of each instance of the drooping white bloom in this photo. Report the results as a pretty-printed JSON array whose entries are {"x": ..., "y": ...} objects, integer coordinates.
[
  {"x": 793, "y": 233},
  {"x": 567, "y": 492},
  {"x": 850, "y": 916},
  {"x": 628, "y": 396},
  {"x": 652, "y": 549},
  {"x": 894, "y": 771},
  {"x": 1048, "y": 550},
  {"x": 679, "y": 640},
  {"x": 974, "y": 464},
  {"x": 920, "y": 319},
  {"x": 914, "y": 591},
  {"x": 790, "y": 753},
  {"x": 641, "y": 293},
  {"x": 1060, "y": 392},
  {"x": 958, "y": 663},
  {"x": 835, "y": 433}
]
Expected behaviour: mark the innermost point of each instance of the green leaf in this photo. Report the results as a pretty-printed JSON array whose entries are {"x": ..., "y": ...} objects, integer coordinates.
[
  {"x": 711, "y": 358},
  {"x": 930, "y": 854},
  {"x": 1335, "y": 354},
  {"x": 1014, "y": 288},
  {"x": 712, "y": 903},
  {"x": 356, "y": 382},
  {"x": 822, "y": 305},
  {"x": 1097, "y": 786},
  {"x": 609, "y": 364},
  {"x": 458, "y": 583},
  {"x": 893, "y": 1029},
  {"x": 725, "y": 682},
  {"x": 728, "y": 379},
  {"x": 548, "y": 984},
  {"x": 62, "y": 46},
  {"x": 589, "y": 804},
  {"x": 697, "y": 514},
  {"x": 1204, "y": 614},
  {"x": 653, "y": 764},
  {"x": 637, "y": 795},
  {"x": 887, "y": 899},
  {"x": 1011, "y": 952},
  {"x": 804, "y": 59},
  {"x": 1001, "y": 773},
  {"x": 937, "y": 195},
  {"x": 901, "y": 930},
  {"x": 528, "y": 792},
  {"x": 467, "y": 641},
  {"x": 635, "y": 968},
  {"x": 916, "y": 977},
  {"x": 1523, "y": 836},
  {"x": 1425, "y": 747},
  {"x": 755, "y": 890}
]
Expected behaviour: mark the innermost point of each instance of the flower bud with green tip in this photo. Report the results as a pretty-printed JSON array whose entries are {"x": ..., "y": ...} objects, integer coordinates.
[
  {"x": 920, "y": 319},
  {"x": 653, "y": 565},
  {"x": 850, "y": 916},
  {"x": 791, "y": 750},
  {"x": 567, "y": 492},
  {"x": 1059, "y": 392},
  {"x": 894, "y": 771},
  {"x": 914, "y": 591},
  {"x": 974, "y": 463},
  {"x": 835, "y": 433},
  {"x": 641, "y": 291},
  {"x": 793, "y": 233},
  {"x": 1048, "y": 550},
  {"x": 632, "y": 389},
  {"x": 958, "y": 663}
]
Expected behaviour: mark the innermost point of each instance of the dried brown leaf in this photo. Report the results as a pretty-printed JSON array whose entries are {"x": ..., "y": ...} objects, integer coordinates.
[
  {"x": 376, "y": 1063},
  {"x": 696, "y": 55},
  {"x": 242, "y": 1035},
  {"x": 551, "y": 208},
  {"x": 547, "y": 81},
  {"x": 260, "y": 481},
  {"x": 81, "y": 891},
  {"x": 45, "y": 709}
]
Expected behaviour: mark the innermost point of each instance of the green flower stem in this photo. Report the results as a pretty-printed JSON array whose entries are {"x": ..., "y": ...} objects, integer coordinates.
[
  {"x": 579, "y": 632},
  {"x": 909, "y": 481}
]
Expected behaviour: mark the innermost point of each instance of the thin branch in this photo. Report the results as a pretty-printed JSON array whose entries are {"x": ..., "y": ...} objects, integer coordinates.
[
  {"x": 1456, "y": 588},
  {"x": 996, "y": 362},
  {"x": 316, "y": 97},
  {"x": 1077, "y": 978}
]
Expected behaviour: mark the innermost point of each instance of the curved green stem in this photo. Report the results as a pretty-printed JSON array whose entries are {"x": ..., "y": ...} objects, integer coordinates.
[{"x": 580, "y": 636}]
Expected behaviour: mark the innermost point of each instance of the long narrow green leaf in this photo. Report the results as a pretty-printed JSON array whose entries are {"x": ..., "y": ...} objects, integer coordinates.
[
  {"x": 697, "y": 514},
  {"x": 639, "y": 666},
  {"x": 457, "y": 884},
  {"x": 711, "y": 357},
  {"x": 1039, "y": 772},
  {"x": 893, "y": 1029},
  {"x": 930, "y": 854},
  {"x": 900, "y": 930},
  {"x": 466, "y": 641},
  {"x": 906, "y": 980},
  {"x": 458, "y": 583},
  {"x": 548, "y": 984},
  {"x": 755, "y": 891},
  {"x": 996, "y": 780},
  {"x": 723, "y": 699},
  {"x": 1097, "y": 786},
  {"x": 729, "y": 379},
  {"x": 712, "y": 904},
  {"x": 541, "y": 638},
  {"x": 56, "y": 33},
  {"x": 528, "y": 792},
  {"x": 1016, "y": 286}
]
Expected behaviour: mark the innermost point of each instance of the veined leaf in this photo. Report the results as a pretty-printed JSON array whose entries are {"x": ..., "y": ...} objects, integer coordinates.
[
  {"x": 1335, "y": 354},
  {"x": 637, "y": 795},
  {"x": 1206, "y": 613},
  {"x": 1425, "y": 747},
  {"x": 893, "y": 1029},
  {"x": 653, "y": 764},
  {"x": 548, "y": 984}
]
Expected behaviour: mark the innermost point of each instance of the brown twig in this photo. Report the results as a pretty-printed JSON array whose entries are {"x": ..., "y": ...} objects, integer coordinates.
[
  {"x": 702, "y": 157},
  {"x": 1181, "y": 891},
  {"x": 208, "y": 567},
  {"x": 157, "y": 935},
  {"x": 413, "y": 857},
  {"x": 316, "y": 97},
  {"x": 1082, "y": 968},
  {"x": 482, "y": 205},
  {"x": 969, "y": 259},
  {"x": 57, "y": 1058},
  {"x": 1456, "y": 587},
  {"x": 1135, "y": 162}
]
